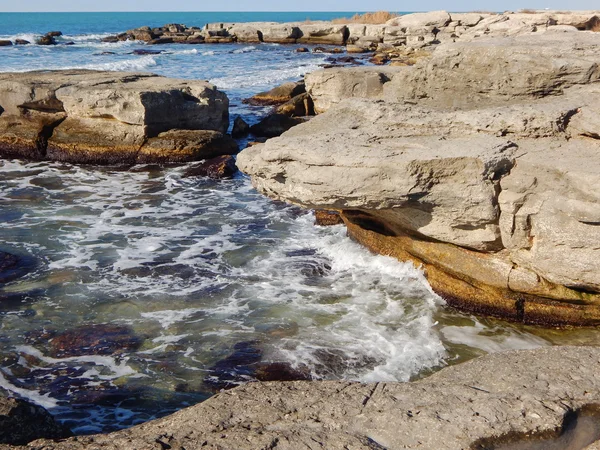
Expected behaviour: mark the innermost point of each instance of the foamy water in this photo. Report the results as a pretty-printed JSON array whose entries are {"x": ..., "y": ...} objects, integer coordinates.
[{"x": 196, "y": 270}]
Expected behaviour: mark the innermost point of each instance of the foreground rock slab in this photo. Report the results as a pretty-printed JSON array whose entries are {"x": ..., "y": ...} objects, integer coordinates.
[
  {"x": 489, "y": 185},
  {"x": 111, "y": 118},
  {"x": 515, "y": 392}
]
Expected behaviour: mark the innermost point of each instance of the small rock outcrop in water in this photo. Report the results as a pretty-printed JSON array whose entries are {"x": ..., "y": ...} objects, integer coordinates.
[
  {"x": 102, "y": 339},
  {"x": 22, "y": 422},
  {"x": 481, "y": 166},
  {"x": 111, "y": 118},
  {"x": 217, "y": 168},
  {"x": 277, "y": 95},
  {"x": 514, "y": 392}
]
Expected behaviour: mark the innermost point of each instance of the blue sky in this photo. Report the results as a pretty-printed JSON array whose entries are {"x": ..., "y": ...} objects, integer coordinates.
[{"x": 278, "y": 5}]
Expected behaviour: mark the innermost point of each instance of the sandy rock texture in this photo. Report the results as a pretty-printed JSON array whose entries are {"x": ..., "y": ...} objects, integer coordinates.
[
  {"x": 108, "y": 118},
  {"x": 454, "y": 409},
  {"x": 480, "y": 165}
]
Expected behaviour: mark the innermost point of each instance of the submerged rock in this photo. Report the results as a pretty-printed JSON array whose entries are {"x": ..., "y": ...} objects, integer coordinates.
[
  {"x": 299, "y": 106},
  {"x": 110, "y": 118},
  {"x": 326, "y": 218},
  {"x": 277, "y": 95},
  {"x": 101, "y": 339},
  {"x": 13, "y": 267},
  {"x": 47, "y": 39},
  {"x": 22, "y": 422},
  {"x": 217, "y": 168}
]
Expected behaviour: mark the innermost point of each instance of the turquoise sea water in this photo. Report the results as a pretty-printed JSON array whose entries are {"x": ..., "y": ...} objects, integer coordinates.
[{"x": 112, "y": 22}]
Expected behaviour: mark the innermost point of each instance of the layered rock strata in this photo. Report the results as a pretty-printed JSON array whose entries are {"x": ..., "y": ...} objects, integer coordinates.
[
  {"x": 412, "y": 30},
  {"x": 482, "y": 167},
  {"x": 457, "y": 408},
  {"x": 111, "y": 118}
]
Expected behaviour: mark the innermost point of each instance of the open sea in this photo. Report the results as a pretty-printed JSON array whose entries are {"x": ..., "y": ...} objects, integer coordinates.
[{"x": 145, "y": 291}]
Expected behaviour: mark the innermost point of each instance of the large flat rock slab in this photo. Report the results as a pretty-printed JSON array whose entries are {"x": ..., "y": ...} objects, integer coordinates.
[
  {"x": 529, "y": 392},
  {"x": 105, "y": 117}
]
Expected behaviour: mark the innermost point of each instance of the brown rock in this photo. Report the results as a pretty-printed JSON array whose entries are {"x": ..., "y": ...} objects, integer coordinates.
[
  {"x": 326, "y": 218},
  {"x": 379, "y": 59},
  {"x": 301, "y": 50},
  {"x": 299, "y": 106},
  {"x": 217, "y": 168},
  {"x": 22, "y": 42},
  {"x": 277, "y": 95},
  {"x": 5, "y": 43}
]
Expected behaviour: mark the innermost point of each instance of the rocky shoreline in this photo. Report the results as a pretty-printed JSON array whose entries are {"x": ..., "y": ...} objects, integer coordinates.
[{"x": 479, "y": 163}]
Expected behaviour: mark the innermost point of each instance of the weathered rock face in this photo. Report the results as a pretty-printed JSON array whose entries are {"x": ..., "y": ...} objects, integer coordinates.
[
  {"x": 502, "y": 70},
  {"x": 22, "y": 422},
  {"x": 107, "y": 118},
  {"x": 498, "y": 201},
  {"x": 451, "y": 410}
]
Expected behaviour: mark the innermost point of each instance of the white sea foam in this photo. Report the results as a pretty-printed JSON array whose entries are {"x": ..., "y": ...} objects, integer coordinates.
[
  {"x": 166, "y": 317},
  {"x": 117, "y": 369},
  {"x": 248, "y": 49},
  {"x": 478, "y": 336},
  {"x": 263, "y": 77},
  {"x": 43, "y": 400}
]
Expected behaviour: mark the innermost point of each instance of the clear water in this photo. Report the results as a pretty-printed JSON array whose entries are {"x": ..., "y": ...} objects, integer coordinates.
[{"x": 193, "y": 271}]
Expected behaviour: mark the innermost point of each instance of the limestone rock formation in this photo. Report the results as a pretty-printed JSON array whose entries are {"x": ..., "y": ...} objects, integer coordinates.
[
  {"x": 456, "y": 408},
  {"x": 413, "y": 31},
  {"x": 108, "y": 118},
  {"x": 484, "y": 171},
  {"x": 329, "y": 86}
]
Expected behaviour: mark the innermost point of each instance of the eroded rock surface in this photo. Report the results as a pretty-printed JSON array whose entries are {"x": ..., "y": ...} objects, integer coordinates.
[
  {"x": 482, "y": 168},
  {"x": 110, "y": 118},
  {"x": 450, "y": 410}
]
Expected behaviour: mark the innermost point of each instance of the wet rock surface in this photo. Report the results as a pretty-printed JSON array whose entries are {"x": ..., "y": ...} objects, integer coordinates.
[
  {"x": 216, "y": 168},
  {"x": 104, "y": 339},
  {"x": 13, "y": 267},
  {"x": 450, "y": 410}
]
